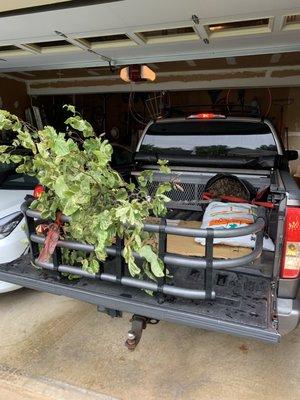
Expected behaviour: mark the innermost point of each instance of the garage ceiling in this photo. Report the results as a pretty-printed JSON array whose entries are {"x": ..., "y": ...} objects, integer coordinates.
[{"x": 140, "y": 31}]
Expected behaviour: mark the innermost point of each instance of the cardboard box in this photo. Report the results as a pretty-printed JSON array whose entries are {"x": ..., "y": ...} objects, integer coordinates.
[{"x": 187, "y": 246}]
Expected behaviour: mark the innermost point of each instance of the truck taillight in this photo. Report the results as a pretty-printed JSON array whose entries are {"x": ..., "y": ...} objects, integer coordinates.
[
  {"x": 38, "y": 190},
  {"x": 291, "y": 245}
]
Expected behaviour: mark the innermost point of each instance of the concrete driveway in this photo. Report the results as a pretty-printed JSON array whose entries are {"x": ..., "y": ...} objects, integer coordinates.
[{"x": 56, "y": 348}]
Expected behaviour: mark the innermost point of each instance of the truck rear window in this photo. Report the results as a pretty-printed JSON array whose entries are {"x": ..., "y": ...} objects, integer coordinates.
[{"x": 213, "y": 139}]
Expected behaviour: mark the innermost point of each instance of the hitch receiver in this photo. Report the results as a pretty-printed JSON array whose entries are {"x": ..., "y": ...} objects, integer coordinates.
[{"x": 138, "y": 323}]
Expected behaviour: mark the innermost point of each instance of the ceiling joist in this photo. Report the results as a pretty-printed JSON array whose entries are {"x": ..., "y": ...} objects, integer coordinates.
[
  {"x": 30, "y": 48},
  {"x": 84, "y": 46}
]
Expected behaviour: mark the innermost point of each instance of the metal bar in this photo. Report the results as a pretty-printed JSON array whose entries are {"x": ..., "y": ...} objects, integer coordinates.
[
  {"x": 208, "y": 273},
  {"x": 186, "y": 293},
  {"x": 183, "y": 206},
  {"x": 46, "y": 265},
  {"x": 67, "y": 244},
  {"x": 199, "y": 263},
  {"x": 257, "y": 226},
  {"x": 37, "y": 214},
  {"x": 218, "y": 233},
  {"x": 162, "y": 248},
  {"x": 56, "y": 257},
  {"x": 34, "y": 248},
  {"x": 119, "y": 260},
  {"x": 132, "y": 282},
  {"x": 172, "y": 259}
]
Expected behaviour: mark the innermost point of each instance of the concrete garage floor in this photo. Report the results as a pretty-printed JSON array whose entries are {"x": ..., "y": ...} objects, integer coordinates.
[{"x": 56, "y": 348}]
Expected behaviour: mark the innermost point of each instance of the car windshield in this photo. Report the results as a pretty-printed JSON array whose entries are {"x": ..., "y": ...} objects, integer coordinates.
[
  {"x": 210, "y": 139},
  {"x": 10, "y": 179}
]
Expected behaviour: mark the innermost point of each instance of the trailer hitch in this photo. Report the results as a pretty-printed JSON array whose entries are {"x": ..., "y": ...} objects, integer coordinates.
[{"x": 138, "y": 323}]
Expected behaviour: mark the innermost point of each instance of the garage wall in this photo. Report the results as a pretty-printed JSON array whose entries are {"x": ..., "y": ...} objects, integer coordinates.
[
  {"x": 277, "y": 112},
  {"x": 293, "y": 119},
  {"x": 14, "y": 96},
  {"x": 110, "y": 111},
  {"x": 107, "y": 111}
]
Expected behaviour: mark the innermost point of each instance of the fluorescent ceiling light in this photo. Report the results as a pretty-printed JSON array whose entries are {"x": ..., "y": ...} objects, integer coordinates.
[{"x": 237, "y": 28}]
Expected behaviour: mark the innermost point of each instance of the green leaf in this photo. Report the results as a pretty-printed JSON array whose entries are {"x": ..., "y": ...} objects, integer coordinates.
[
  {"x": 60, "y": 187},
  {"x": 155, "y": 263},
  {"x": 133, "y": 268},
  {"x": 70, "y": 108},
  {"x": 26, "y": 140},
  {"x": 163, "y": 166},
  {"x": 91, "y": 266},
  {"x": 70, "y": 207},
  {"x": 3, "y": 149},
  {"x": 81, "y": 125},
  {"x": 94, "y": 266},
  {"x": 85, "y": 265},
  {"x": 61, "y": 146},
  {"x": 16, "y": 159}
]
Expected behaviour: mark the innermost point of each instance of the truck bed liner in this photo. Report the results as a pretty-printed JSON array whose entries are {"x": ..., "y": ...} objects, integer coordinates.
[{"x": 242, "y": 307}]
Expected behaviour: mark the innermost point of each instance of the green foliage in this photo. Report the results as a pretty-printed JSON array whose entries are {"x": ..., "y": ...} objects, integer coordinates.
[{"x": 80, "y": 182}]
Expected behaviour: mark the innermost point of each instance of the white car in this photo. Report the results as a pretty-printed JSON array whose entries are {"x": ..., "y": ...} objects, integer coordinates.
[{"x": 13, "y": 189}]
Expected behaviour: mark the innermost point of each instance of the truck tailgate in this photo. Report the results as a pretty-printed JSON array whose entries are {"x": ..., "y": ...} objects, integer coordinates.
[{"x": 242, "y": 306}]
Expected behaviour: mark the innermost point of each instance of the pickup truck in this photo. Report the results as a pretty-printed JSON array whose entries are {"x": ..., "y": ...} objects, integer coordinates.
[{"x": 256, "y": 295}]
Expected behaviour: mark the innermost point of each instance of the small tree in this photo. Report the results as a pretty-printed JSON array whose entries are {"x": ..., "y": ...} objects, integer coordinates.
[{"x": 80, "y": 183}]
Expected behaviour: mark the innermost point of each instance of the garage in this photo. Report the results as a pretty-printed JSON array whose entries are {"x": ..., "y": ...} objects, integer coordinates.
[{"x": 141, "y": 72}]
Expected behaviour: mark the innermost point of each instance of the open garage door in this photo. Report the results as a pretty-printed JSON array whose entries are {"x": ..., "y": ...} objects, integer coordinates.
[{"x": 72, "y": 51}]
